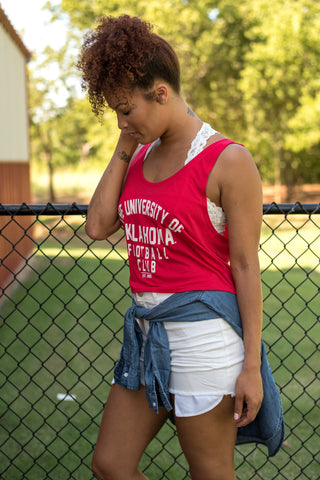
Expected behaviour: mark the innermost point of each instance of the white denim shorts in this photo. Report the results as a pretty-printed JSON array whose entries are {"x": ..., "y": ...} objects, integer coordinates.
[{"x": 206, "y": 359}]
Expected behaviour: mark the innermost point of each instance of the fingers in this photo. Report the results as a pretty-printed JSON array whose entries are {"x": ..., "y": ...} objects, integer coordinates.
[
  {"x": 248, "y": 398},
  {"x": 246, "y": 407},
  {"x": 238, "y": 409},
  {"x": 245, "y": 415}
]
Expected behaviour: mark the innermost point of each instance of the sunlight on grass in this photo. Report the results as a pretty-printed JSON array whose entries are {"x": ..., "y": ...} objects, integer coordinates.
[
  {"x": 77, "y": 252},
  {"x": 284, "y": 246},
  {"x": 273, "y": 254},
  {"x": 76, "y": 184}
]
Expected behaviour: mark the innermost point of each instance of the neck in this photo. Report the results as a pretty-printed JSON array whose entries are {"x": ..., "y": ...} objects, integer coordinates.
[{"x": 183, "y": 123}]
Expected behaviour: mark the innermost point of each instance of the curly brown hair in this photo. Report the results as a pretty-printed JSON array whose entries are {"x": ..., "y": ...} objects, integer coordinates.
[{"x": 124, "y": 54}]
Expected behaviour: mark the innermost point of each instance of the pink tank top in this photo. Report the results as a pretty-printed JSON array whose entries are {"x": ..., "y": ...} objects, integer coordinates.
[{"x": 172, "y": 245}]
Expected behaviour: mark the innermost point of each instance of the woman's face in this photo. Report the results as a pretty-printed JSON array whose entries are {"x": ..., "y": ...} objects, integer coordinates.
[{"x": 139, "y": 117}]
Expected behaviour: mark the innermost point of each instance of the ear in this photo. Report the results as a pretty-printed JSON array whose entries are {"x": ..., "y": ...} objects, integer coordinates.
[{"x": 161, "y": 91}]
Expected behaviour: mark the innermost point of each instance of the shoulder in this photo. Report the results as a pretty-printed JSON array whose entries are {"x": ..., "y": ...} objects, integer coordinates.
[
  {"x": 237, "y": 177},
  {"x": 239, "y": 180},
  {"x": 236, "y": 154},
  {"x": 235, "y": 163},
  {"x": 233, "y": 153}
]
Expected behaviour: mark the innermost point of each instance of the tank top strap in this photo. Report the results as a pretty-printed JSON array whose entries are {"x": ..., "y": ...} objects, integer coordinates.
[{"x": 209, "y": 156}]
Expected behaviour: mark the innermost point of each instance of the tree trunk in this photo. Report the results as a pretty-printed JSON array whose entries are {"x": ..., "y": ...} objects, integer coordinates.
[
  {"x": 52, "y": 195},
  {"x": 277, "y": 178},
  {"x": 51, "y": 192}
]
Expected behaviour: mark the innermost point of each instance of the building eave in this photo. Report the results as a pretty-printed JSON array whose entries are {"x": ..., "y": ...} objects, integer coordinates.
[{"x": 7, "y": 25}]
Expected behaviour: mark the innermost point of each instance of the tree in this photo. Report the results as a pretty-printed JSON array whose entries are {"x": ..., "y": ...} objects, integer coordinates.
[
  {"x": 279, "y": 82},
  {"x": 249, "y": 67},
  {"x": 43, "y": 113}
]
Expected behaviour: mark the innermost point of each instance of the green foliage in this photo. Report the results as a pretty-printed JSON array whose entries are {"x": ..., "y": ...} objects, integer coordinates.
[
  {"x": 280, "y": 84},
  {"x": 250, "y": 67},
  {"x": 63, "y": 129}
]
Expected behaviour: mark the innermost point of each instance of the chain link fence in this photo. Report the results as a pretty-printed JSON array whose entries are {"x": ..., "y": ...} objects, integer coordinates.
[{"x": 62, "y": 302}]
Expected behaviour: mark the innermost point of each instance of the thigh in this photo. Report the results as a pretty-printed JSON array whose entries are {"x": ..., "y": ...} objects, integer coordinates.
[
  {"x": 208, "y": 442},
  {"x": 127, "y": 427}
]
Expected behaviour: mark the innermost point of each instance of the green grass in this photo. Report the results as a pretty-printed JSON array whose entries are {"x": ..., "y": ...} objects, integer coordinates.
[
  {"x": 61, "y": 333},
  {"x": 71, "y": 183}
]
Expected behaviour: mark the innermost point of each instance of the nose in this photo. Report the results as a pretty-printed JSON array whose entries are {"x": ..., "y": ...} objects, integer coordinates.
[{"x": 122, "y": 122}]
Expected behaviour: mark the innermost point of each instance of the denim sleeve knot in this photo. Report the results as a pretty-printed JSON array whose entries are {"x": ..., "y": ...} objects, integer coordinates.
[
  {"x": 179, "y": 307},
  {"x": 267, "y": 428}
]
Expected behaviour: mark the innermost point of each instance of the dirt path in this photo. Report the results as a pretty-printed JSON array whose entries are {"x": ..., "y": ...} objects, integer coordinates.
[{"x": 302, "y": 193}]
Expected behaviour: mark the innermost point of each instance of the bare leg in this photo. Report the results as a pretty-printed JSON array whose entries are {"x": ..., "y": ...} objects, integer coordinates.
[
  {"x": 127, "y": 427},
  {"x": 208, "y": 442}
]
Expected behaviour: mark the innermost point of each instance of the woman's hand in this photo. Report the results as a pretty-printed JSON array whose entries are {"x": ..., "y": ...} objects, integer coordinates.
[{"x": 249, "y": 395}]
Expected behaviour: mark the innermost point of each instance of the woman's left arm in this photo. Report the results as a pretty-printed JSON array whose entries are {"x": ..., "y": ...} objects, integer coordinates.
[{"x": 241, "y": 200}]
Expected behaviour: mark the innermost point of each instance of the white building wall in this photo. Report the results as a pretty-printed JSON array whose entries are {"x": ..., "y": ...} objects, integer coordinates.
[{"x": 14, "y": 137}]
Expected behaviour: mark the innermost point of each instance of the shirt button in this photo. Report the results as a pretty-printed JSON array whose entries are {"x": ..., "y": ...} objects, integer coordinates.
[
  {"x": 154, "y": 404},
  {"x": 126, "y": 374}
]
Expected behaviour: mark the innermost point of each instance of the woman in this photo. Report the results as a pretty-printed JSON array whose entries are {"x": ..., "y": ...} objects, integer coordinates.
[{"x": 190, "y": 202}]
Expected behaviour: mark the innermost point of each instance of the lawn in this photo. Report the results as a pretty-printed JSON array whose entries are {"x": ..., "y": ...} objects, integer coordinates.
[{"x": 61, "y": 334}]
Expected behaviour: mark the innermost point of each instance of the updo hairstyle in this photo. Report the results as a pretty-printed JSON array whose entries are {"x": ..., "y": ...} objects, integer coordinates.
[{"x": 123, "y": 54}]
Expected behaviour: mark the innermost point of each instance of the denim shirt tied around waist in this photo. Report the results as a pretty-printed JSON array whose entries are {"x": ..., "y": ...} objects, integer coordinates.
[{"x": 193, "y": 306}]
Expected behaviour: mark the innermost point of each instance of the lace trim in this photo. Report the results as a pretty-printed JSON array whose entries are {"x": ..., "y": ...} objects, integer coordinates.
[
  {"x": 217, "y": 216},
  {"x": 197, "y": 145},
  {"x": 200, "y": 140}
]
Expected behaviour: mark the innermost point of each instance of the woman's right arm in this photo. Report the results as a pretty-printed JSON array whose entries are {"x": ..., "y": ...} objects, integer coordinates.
[{"x": 102, "y": 220}]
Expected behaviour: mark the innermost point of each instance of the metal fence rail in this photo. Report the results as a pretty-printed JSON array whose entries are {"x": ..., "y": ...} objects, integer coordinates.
[{"x": 63, "y": 297}]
